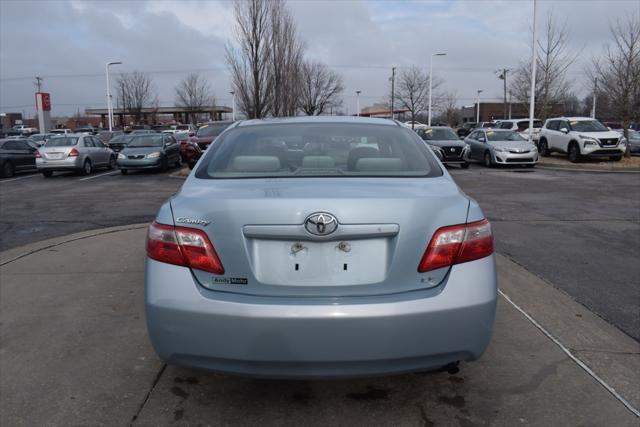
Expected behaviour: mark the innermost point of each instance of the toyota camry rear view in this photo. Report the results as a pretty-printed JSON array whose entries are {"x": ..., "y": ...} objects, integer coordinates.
[{"x": 319, "y": 247}]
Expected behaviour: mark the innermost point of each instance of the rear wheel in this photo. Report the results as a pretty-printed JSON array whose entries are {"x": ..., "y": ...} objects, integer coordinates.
[
  {"x": 124, "y": 171},
  {"x": 615, "y": 158},
  {"x": 543, "y": 148},
  {"x": 488, "y": 161},
  {"x": 179, "y": 162},
  {"x": 112, "y": 163},
  {"x": 47, "y": 174},
  {"x": 86, "y": 167},
  {"x": 574, "y": 153},
  {"x": 465, "y": 165},
  {"x": 8, "y": 170}
]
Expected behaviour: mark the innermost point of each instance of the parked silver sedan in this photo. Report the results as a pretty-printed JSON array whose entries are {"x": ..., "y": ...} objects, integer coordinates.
[
  {"x": 75, "y": 152},
  {"x": 319, "y": 247},
  {"x": 501, "y": 147}
]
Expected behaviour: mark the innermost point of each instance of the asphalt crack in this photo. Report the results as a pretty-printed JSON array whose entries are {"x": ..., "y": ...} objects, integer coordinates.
[{"x": 148, "y": 395}]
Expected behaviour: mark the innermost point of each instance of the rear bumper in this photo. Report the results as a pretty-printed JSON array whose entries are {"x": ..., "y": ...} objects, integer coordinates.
[
  {"x": 70, "y": 163},
  {"x": 299, "y": 338}
]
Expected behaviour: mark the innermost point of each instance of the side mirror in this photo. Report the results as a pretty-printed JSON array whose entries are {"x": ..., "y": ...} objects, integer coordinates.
[{"x": 564, "y": 130}]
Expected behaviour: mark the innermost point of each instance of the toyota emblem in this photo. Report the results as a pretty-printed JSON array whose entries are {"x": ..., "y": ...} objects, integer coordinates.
[{"x": 321, "y": 223}]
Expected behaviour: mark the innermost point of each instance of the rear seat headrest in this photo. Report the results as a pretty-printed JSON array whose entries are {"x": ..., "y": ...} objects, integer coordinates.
[
  {"x": 318, "y": 162},
  {"x": 379, "y": 164},
  {"x": 256, "y": 164}
]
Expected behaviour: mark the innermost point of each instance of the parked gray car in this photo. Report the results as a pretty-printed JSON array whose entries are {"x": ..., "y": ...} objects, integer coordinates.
[
  {"x": 446, "y": 142},
  {"x": 76, "y": 152},
  {"x": 501, "y": 147},
  {"x": 319, "y": 247}
]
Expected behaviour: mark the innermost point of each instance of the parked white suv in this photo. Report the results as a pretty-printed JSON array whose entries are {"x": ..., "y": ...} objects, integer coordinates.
[
  {"x": 580, "y": 137},
  {"x": 522, "y": 127}
]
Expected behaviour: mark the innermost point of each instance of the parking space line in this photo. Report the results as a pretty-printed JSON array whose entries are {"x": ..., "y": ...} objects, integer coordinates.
[
  {"x": 98, "y": 176},
  {"x": 579, "y": 362},
  {"x": 19, "y": 178}
]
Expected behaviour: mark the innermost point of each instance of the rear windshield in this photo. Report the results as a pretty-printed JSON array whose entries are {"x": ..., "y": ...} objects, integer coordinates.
[
  {"x": 444, "y": 134},
  {"x": 146, "y": 141},
  {"x": 504, "y": 136},
  {"x": 212, "y": 129},
  {"x": 587, "y": 126},
  {"x": 62, "y": 141},
  {"x": 318, "y": 150}
]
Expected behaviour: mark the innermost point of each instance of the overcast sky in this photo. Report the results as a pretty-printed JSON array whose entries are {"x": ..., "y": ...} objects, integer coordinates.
[{"x": 68, "y": 43}]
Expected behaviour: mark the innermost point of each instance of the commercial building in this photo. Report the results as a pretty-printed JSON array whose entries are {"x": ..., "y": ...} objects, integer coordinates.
[{"x": 495, "y": 111}]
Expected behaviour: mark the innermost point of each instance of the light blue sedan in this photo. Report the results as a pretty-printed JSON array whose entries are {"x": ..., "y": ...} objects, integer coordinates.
[{"x": 319, "y": 247}]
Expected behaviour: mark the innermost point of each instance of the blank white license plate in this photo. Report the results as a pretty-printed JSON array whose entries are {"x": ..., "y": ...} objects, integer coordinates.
[
  {"x": 305, "y": 263},
  {"x": 55, "y": 156}
]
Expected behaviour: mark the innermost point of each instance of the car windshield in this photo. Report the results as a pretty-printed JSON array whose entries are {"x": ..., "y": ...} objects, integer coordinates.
[
  {"x": 181, "y": 136},
  {"x": 62, "y": 141},
  {"x": 146, "y": 141},
  {"x": 587, "y": 126},
  {"x": 121, "y": 139},
  {"x": 504, "y": 136},
  {"x": 212, "y": 129},
  {"x": 439, "y": 134},
  {"x": 318, "y": 150}
]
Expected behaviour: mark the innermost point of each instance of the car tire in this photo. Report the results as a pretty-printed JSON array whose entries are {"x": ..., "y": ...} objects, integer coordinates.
[
  {"x": 615, "y": 158},
  {"x": 124, "y": 171},
  {"x": 47, "y": 174},
  {"x": 573, "y": 153},
  {"x": 543, "y": 148},
  {"x": 86, "y": 167},
  {"x": 488, "y": 161},
  {"x": 179, "y": 162},
  {"x": 112, "y": 163},
  {"x": 465, "y": 165},
  {"x": 8, "y": 170},
  {"x": 164, "y": 165}
]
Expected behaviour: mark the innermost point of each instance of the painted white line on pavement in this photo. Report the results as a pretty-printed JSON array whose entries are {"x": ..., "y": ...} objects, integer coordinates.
[
  {"x": 580, "y": 363},
  {"x": 98, "y": 176},
  {"x": 19, "y": 178}
]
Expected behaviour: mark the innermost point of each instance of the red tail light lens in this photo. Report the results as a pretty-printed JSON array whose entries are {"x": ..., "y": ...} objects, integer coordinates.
[
  {"x": 188, "y": 247},
  {"x": 457, "y": 244},
  {"x": 73, "y": 153},
  {"x": 37, "y": 154}
]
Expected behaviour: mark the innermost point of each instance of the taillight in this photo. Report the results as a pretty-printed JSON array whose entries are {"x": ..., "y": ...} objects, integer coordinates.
[
  {"x": 188, "y": 247},
  {"x": 456, "y": 244},
  {"x": 73, "y": 153},
  {"x": 37, "y": 154}
]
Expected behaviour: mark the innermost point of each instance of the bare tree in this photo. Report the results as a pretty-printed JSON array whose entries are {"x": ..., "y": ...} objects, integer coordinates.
[
  {"x": 286, "y": 60},
  {"x": 618, "y": 74},
  {"x": 412, "y": 91},
  {"x": 320, "y": 89},
  {"x": 250, "y": 63},
  {"x": 194, "y": 94},
  {"x": 136, "y": 91},
  {"x": 553, "y": 59},
  {"x": 449, "y": 111}
]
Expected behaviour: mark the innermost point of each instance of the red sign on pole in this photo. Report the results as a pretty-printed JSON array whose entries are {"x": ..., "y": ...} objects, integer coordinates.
[{"x": 43, "y": 99}]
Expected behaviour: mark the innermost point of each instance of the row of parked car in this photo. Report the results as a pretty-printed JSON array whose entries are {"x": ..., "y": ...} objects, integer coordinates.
[
  {"x": 84, "y": 151},
  {"x": 507, "y": 141}
]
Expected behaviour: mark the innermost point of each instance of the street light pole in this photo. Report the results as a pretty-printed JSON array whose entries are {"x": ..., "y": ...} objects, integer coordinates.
[
  {"x": 532, "y": 101},
  {"x": 109, "y": 107},
  {"x": 431, "y": 82},
  {"x": 595, "y": 94},
  {"x": 479, "y": 91},
  {"x": 393, "y": 92},
  {"x": 233, "y": 106},
  {"x": 358, "y": 102}
]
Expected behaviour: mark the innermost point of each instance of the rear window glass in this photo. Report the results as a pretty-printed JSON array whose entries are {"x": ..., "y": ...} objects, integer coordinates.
[
  {"x": 62, "y": 141},
  {"x": 214, "y": 129},
  {"x": 318, "y": 150}
]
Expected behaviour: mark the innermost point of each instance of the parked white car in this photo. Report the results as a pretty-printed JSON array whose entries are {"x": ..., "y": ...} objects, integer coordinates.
[
  {"x": 24, "y": 130},
  {"x": 522, "y": 127},
  {"x": 60, "y": 131},
  {"x": 580, "y": 137}
]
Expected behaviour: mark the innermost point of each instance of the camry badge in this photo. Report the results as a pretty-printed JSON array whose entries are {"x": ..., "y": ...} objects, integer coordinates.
[
  {"x": 321, "y": 223},
  {"x": 185, "y": 220}
]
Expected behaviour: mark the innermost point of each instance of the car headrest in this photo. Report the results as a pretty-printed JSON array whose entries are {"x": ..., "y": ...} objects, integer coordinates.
[
  {"x": 256, "y": 164},
  {"x": 359, "y": 152},
  {"x": 378, "y": 164}
]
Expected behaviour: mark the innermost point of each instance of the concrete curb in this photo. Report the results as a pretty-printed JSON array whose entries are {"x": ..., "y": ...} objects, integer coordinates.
[
  {"x": 14, "y": 254},
  {"x": 570, "y": 169}
]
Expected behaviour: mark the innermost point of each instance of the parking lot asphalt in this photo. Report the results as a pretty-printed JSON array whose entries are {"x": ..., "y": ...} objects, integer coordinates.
[
  {"x": 35, "y": 208},
  {"x": 74, "y": 351},
  {"x": 580, "y": 231}
]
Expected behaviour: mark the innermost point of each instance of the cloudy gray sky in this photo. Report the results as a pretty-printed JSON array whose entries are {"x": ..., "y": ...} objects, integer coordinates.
[{"x": 68, "y": 43}]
